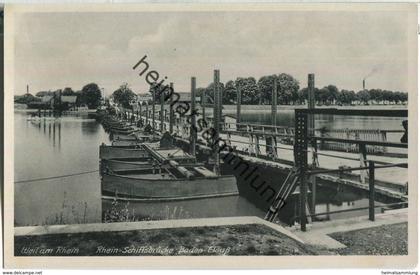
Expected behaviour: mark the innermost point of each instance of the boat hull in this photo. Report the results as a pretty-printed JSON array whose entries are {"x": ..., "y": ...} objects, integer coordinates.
[
  {"x": 124, "y": 137},
  {"x": 168, "y": 189},
  {"x": 123, "y": 132},
  {"x": 123, "y": 165},
  {"x": 111, "y": 152},
  {"x": 126, "y": 143}
]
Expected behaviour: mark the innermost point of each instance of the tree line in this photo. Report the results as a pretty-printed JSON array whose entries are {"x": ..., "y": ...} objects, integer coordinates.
[
  {"x": 90, "y": 95},
  {"x": 259, "y": 92}
]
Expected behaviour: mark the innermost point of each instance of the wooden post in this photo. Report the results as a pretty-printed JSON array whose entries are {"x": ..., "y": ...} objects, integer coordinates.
[
  {"x": 300, "y": 149},
  {"x": 238, "y": 106},
  {"x": 274, "y": 119},
  {"x": 311, "y": 106},
  {"x": 203, "y": 103},
  {"x": 274, "y": 104},
  {"x": 147, "y": 113},
  {"x": 371, "y": 191},
  {"x": 220, "y": 104},
  {"x": 216, "y": 114},
  {"x": 162, "y": 111},
  {"x": 193, "y": 127},
  {"x": 171, "y": 111},
  {"x": 250, "y": 142},
  {"x": 328, "y": 211},
  {"x": 362, "y": 155},
  {"x": 257, "y": 146},
  {"x": 303, "y": 194},
  {"x": 153, "y": 110},
  {"x": 139, "y": 116},
  {"x": 311, "y": 132}
]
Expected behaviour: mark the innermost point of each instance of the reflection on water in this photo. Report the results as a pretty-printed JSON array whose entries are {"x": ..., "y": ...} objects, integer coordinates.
[
  {"x": 50, "y": 148},
  {"x": 70, "y": 145}
]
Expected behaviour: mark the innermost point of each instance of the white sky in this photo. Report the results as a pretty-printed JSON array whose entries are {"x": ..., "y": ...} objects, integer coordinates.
[{"x": 56, "y": 50}]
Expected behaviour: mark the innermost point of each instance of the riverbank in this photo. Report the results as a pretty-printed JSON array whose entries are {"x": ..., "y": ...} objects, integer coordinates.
[
  {"x": 216, "y": 236},
  {"x": 249, "y": 239},
  {"x": 381, "y": 240}
]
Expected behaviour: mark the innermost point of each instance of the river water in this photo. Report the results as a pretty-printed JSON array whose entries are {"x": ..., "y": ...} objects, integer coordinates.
[{"x": 69, "y": 146}]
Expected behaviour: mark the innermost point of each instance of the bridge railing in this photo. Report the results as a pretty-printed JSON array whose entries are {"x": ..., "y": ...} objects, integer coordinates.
[{"x": 287, "y": 134}]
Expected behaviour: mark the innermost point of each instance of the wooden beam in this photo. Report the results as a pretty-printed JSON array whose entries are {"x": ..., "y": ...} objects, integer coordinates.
[
  {"x": 171, "y": 111},
  {"x": 216, "y": 120},
  {"x": 193, "y": 127}
]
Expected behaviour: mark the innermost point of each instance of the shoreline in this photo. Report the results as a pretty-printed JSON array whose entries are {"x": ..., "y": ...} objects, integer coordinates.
[{"x": 247, "y": 235}]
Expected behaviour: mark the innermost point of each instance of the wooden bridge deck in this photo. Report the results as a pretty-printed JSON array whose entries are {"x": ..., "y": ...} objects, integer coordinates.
[{"x": 392, "y": 181}]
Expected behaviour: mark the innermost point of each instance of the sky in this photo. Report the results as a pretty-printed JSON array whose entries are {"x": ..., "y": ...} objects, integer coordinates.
[{"x": 58, "y": 50}]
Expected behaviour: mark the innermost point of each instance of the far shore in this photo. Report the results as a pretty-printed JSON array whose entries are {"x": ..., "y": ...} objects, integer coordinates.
[{"x": 231, "y": 109}]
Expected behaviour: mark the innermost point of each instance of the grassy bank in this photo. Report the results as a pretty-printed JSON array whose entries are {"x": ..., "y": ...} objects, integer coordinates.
[
  {"x": 249, "y": 239},
  {"x": 381, "y": 240}
]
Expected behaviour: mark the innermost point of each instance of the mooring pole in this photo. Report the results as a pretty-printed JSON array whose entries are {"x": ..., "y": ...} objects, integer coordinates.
[
  {"x": 274, "y": 104},
  {"x": 301, "y": 161},
  {"x": 371, "y": 191},
  {"x": 171, "y": 112},
  {"x": 362, "y": 156},
  {"x": 203, "y": 103},
  {"x": 162, "y": 110},
  {"x": 193, "y": 127},
  {"x": 220, "y": 102},
  {"x": 238, "y": 106},
  {"x": 311, "y": 132},
  {"x": 153, "y": 110},
  {"x": 147, "y": 113},
  {"x": 139, "y": 114},
  {"x": 274, "y": 119},
  {"x": 216, "y": 114}
]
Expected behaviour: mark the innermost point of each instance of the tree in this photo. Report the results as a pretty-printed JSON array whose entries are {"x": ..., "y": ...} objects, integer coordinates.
[
  {"x": 249, "y": 89},
  {"x": 68, "y": 91},
  {"x": 346, "y": 97},
  {"x": 302, "y": 95},
  {"x": 79, "y": 99},
  {"x": 387, "y": 96},
  {"x": 288, "y": 88},
  {"x": 332, "y": 94},
  {"x": 26, "y": 99},
  {"x": 363, "y": 96},
  {"x": 376, "y": 95},
  {"x": 210, "y": 91},
  {"x": 323, "y": 96},
  {"x": 266, "y": 86},
  {"x": 124, "y": 95},
  {"x": 229, "y": 93},
  {"x": 91, "y": 95}
]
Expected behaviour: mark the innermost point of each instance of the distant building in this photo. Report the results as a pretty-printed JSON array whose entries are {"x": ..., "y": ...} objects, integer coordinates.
[
  {"x": 186, "y": 97},
  {"x": 70, "y": 101},
  {"x": 143, "y": 97}
]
